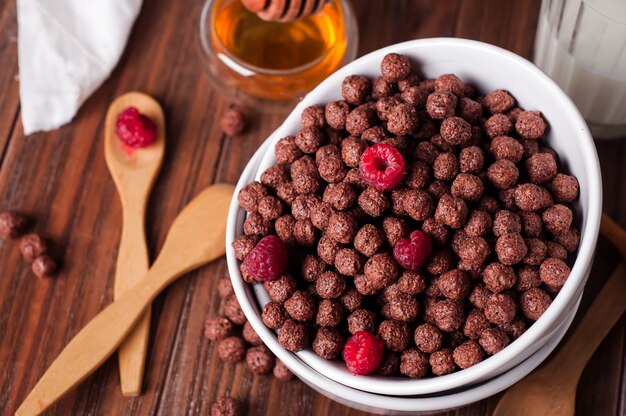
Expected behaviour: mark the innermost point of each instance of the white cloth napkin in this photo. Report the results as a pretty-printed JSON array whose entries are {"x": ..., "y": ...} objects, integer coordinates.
[{"x": 66, "y": 49}]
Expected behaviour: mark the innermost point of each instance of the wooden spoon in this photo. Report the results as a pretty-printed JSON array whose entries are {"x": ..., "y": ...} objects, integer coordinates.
[
  {"x": 283, "y": 10},
  {"x": 551, "y": 390},
  {"x": 195, "y": 238},
  {"x": 134, "y": 172}
]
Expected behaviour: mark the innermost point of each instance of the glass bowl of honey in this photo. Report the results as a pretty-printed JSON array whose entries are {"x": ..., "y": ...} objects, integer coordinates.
[{"x": 271, "y": 65}]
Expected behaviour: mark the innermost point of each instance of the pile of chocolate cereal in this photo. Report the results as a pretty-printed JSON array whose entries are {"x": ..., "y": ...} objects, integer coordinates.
[{"x": 400, "y": 158}]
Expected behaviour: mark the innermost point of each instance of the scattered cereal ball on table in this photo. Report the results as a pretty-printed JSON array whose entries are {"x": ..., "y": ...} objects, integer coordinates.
[
  {"x": 233, "y": 122},
  {"x": 281, "y": 372},
  {"x": 225, "y": 406},
  {"x": 218, "y": 327},
  {"x": 363, "y": 353},
  {"x": 44, "y": 266},
  {"x": 225, "y": 288},
  {"x": 233, "y": 311},
  {"x": 250, "y": 335},
  {"x": 32, "y": 246},
  {"x": 135, "y": 129},
  {"x": 231, "y": 349},
  {"x": 260, "y": 359},
  {"x": 12, "y": 224}
]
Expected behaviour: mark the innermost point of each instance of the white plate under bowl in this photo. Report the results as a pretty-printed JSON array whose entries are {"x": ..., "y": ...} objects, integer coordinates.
[{"x": 487, "y": 67}]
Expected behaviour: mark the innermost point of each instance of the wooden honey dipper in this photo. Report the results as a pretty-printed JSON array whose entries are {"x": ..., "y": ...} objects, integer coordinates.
[{"x": 283, "y": 10}]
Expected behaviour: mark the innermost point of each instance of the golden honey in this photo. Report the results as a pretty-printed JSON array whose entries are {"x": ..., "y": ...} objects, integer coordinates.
[{"x": 276, "y": 60}]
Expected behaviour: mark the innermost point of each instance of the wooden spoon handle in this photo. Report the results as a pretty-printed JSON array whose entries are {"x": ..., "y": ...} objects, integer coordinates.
[{"x": 606, "y": 309}]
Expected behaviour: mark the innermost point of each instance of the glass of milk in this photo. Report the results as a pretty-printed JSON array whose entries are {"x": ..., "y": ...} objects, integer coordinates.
[{"x": 581, "y": 45}]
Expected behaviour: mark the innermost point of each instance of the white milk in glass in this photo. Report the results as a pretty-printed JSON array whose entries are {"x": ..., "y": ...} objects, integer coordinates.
[{"x": 581, "y": 44}]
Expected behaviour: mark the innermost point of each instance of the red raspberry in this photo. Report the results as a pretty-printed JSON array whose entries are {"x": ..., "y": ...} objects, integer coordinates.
[
  {"x": 412, "y": 252},
  {"x": 363, "y": 353},
  {"x": 382, "y": 166},
  {"x": 268, "y": 259},
  {"x": 135, "y": 129}
]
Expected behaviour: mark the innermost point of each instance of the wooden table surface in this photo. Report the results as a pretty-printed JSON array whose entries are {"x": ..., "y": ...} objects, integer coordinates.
[{"x": 60, "y": 178}]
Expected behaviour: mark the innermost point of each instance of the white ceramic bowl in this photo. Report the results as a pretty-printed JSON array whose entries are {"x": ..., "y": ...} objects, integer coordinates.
[
  {"x": 487, "y": 67},
  {"x": 371, "y": 402}
]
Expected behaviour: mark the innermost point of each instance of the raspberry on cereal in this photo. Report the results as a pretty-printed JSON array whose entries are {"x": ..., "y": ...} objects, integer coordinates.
[
  {"x": 382, "y": 166},
  {"x": 268, "y": 259},
  {"x": 363, "y": 353}
]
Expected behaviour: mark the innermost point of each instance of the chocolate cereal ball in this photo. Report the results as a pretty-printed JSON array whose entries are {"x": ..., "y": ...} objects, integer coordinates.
[
  {"x": 534, "y": 303},
  {"x": 439, "y": 233},
  {"x": 362, "y": 320},
  {"x": 569, "y": 239},
  {"x": 454, "y": 284},
  {"x": 231, "y": 349},
  {"x": 557, "y": 219},
  {"x": 342, "y": 227},
  {"x": 500, "y": 309},
  {"x": 394, "y": 334},
  {"x": 403, "y": 307},
  {"x": 274, "y": 315},
  {"x": 340, "y": 196},
  {"x": 250, "y": 196},
  {"x": 312, "y": 267},
  {"x": 541, "y": 167},
  {"x": 415, "y": 96},
  {"x": 301, "y": 306},
  {"x": 530, "y": 124},
  {"x": 442, "y": 362},
  {"x": 505, "y": 147},
  {"x": 469, "y": 110},
  {"x": 284, "y": 228},
  {"x": 428, "y": 338},
  {"x": 281, "y": 372},
  {"x": 506, "y": 222},
  {"x": 530, "y": 197},
  {"x": 368, "y": 240},
  {"x": 244, "y": 244},
  {"x": 395, "y": 67},
  {"x": 329, "y": 285},
  {"x": 218, "y": 327},
  {"x": 564, "y": 188},
  {"x": 418, "y": 204},
  {"x": 225, "y": 406},
  {"x": 478, "y": 223},
  {"x": 225, "y": 288},
  {"x": 373, "y": 202},
  {"x": 503, "y": 174},
  {"x": 451, "y": 211},
  {"x": 313, "y": 116},
  {"x": 471, "y": 159},
  {"x": 475, "y": 324},
  {"x": 360, "y": 119},
  {"x": 352, "y": 149},
  {"x": 390, "y": 364},
  {"x": 381, "y": 269},
  {"x": 270, "y": 207},
  {"x": 511, "y": 248},
  {"x": 414, "y": 363},
  {"x": 441, "y": 105},
  {"x": 425, "y": 152},
  {"x": 411, "y": 282},
  {"x": 468, "y": 354},
  {"x": 556, "y": 250},
  {"x": 328, "y": 343},
  {"x": 479, "y": 295},
  {"x": 329, "y": 313},
  {"x": 499, "y": 277},
  {"x": 402, "y": 119},
  {"x": 233, "y": 311},
  {"x": 450, "y": 83},
  {"x": 554, "y": 272},
  {"x": 355, "y": 89},
  {"x": 286, "y": 150},
  {"x": 418, "y": 175},
  {"x": 293, "y": 336},
  {"x": 448, "y": 315},
  {"x": 468, "y": 187},
  {"x": 493, "y": 340},
  {"x": 456, "y": 131},
  {"x": 537, "y": 251},
  {"x": 275, "y": 176},
  {"x": 446, "y": 166},
  {"x": 336, "y": 113},
  {"x": 527, "y": 278},
  {"x": 499, "y": 101},
  {"x": 32, "y": 246},
  {"x": 348, "y": 262},
  {"x": 531, "y": 224},
  {"x": 351, "y": 300},
  {"x": 260, "y": 359},
  {"x": 498, "y": 125}
]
